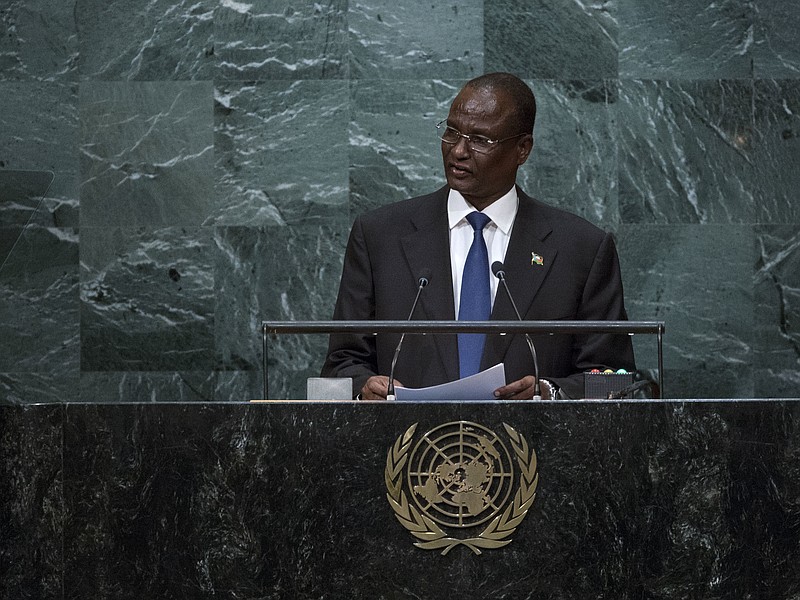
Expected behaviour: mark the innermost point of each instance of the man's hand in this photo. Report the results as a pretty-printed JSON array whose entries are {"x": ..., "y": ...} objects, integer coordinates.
[
  {"x": 377, "y": 387},
  {"x": 522, "y": 389}
]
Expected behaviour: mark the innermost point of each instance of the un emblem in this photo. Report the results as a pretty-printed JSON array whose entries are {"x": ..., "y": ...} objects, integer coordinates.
[{"x": 461, "y": 476}]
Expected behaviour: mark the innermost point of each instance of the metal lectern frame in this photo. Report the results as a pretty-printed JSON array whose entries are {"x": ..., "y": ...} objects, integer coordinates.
[{"x": 495, "y": 327}]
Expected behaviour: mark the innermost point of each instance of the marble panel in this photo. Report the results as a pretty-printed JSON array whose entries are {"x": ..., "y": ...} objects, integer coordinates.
[
  {"x": 94, "y": 576},
  {"x": 574, "y": 159},
  {"x": 685, "y": 39},
  {"x": 39, "y": 319},
  {"x": 776, "y": 357},
  {"x": 395, "y": 40},
  {"x": 777, "y": 51},
  {"x": 147, "y": 299},
  {"x": 38, "y": 387},
  {"x": 698, "y": 279},
  {"x": 150, "y": 41},
  {"x": 39, "y": 40},
  {"x": 146, "y": 153},
  {"x": 237, "y": 386},
  {"x": 281, "y": 274},
  {"x": 776, "y": 150},
  {"x": 39, "y": 125},
  {"x": 686, "y": 152},
  {"x": 22, "y": 194},
  {"x": 147, "y": 386},
  {"x": 166, "y": 386},
  {"x": 634, "y": 500},
  {"x": 281, "y": 153},
  {"x": 394, "y": 146},
  {"x": 31, "y": 503},
  {"x": 552, "y": 40},
  {"x": 280, "y": 39}
]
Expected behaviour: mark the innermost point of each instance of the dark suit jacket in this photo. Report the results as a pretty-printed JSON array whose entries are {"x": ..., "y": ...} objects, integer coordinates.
[{"x": 389, "y": 248}]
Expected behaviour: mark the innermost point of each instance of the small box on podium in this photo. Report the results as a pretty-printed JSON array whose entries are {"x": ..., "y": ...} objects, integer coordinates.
[{"x": 600, "y": 384}]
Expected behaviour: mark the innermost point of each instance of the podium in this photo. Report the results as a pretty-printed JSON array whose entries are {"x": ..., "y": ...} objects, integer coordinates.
[
  {"x": 377, "y": 327},
  {"x": 633, "y": 499}
]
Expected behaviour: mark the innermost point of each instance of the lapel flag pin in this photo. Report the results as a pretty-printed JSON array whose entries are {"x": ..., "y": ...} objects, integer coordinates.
[{"x": 536, "y": 259}]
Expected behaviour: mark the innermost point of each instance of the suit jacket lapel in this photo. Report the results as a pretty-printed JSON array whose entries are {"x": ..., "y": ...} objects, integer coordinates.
[
  {"x": 529, "y": 242},
  {"x": 429, "y": 248}
]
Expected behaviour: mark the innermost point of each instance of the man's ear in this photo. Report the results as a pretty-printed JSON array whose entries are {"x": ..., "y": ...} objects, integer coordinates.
[{"x": 524, "y": 148}]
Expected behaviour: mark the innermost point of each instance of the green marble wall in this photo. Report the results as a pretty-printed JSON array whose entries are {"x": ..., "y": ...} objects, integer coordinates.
[{"x": 209, "y": 157}]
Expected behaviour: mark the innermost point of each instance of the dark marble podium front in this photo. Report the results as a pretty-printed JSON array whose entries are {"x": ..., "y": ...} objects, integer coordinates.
[{"x": 653, "y": 499}]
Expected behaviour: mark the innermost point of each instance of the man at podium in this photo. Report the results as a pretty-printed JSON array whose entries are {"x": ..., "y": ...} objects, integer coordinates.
[{"x": 556, "y": 265}]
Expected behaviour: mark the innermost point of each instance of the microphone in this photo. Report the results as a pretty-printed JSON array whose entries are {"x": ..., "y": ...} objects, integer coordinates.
[
  {"x": 422, "y": 281},
  {"x": 499, "y": 271}
]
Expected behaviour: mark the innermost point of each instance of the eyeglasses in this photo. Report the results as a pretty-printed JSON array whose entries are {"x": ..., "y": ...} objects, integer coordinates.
[{"x": 478, "y": 143}]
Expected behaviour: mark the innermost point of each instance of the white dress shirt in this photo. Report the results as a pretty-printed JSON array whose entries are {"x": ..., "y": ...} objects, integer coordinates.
[{"x": 496, "y": 234}]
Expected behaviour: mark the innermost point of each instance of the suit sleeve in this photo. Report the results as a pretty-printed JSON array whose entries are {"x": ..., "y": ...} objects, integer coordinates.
[
  {"x": 354, "y": 355},
  {"x": 601, "y": 300}
]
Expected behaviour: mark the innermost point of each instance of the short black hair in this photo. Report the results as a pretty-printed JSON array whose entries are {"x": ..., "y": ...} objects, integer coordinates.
[{"x": 525, "y": 102}]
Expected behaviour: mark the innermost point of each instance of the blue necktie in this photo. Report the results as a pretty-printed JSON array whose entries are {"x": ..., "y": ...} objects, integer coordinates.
[{"x": 476, "y": 297}]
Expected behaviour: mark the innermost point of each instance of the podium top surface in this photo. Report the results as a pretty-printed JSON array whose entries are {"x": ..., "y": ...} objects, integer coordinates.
[{"x": 549, "y": 403}]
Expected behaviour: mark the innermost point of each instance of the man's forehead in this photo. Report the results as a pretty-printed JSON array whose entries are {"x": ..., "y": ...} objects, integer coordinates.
[{"x": 478, "y": 103}]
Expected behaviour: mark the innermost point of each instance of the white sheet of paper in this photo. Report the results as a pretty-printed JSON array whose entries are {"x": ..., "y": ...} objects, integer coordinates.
[{"x": 480, "y": 386}]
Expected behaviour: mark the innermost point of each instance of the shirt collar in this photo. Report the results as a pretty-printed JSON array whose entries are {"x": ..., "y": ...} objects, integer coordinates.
[{"x": 502, "y": 211}]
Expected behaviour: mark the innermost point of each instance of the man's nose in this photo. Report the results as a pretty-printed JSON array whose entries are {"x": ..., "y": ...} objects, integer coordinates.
[{"x": 461, "y": 147}]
